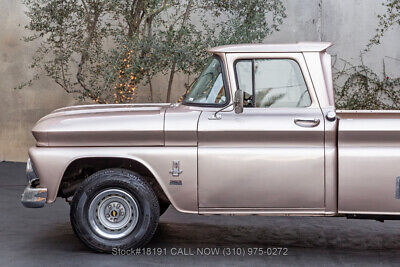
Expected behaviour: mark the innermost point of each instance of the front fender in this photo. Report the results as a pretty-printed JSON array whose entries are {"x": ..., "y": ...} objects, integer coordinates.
[{"x": 51, "y": 162}]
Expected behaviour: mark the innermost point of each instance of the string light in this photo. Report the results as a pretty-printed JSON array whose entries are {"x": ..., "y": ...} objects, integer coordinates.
[{"x": 125, "y": 90}]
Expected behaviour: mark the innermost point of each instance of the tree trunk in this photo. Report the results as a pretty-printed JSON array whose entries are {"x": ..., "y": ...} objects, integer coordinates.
[
  {"x": 151, "y": 89},
  {"x": 171, "y": 79},
  {"x": 172, "y": 73},
  {"x": 91, "y": 31}
]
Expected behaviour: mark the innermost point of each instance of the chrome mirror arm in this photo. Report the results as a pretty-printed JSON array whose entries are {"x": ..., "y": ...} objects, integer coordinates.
[
  {"x": 237, "y": 104},
  {"x": 216, "y": 115}
]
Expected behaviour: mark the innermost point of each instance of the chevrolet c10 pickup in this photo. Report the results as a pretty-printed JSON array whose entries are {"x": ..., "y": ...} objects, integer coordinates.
[{"x": 256, "y": 134}]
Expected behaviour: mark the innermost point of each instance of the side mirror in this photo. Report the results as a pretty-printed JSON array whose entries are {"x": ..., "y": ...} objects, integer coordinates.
[
  {"x": 238, "y": 102},
  {"x": 237, "y": 106}
]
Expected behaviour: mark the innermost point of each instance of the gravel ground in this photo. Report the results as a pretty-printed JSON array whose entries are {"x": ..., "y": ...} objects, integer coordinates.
[{"x": 43, "y": 237}]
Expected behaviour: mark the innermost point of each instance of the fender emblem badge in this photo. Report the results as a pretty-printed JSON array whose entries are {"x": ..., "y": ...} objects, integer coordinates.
[
  {"x": 175, "y": 182},
  {"x": 175, "y": 168}
]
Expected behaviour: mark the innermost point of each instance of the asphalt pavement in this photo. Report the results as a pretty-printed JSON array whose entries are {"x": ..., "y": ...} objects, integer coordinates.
[{"x": 43, "y": 237}]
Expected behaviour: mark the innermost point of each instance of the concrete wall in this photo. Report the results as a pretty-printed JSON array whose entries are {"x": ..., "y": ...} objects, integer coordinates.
[{"x": 349, "y": 24}]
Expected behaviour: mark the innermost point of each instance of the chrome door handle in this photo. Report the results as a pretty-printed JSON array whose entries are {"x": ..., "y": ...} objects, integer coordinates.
[{"x": 307, "y": 122}]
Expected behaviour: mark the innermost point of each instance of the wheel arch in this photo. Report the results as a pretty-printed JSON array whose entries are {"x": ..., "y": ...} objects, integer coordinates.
[{"x": 81, "y": 168}]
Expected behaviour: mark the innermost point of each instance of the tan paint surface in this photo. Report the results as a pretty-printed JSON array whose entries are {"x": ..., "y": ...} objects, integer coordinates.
[
  {"x": 103, "y": 125},
  {"x": 369, "y": 154}
]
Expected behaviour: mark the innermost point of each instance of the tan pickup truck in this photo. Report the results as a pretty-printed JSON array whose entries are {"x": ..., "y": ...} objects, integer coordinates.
[{"x": 257, "y": 133}]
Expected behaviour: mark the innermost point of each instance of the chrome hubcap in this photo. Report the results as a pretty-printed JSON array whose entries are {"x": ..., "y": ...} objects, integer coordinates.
[{"x": 113, "y": 213}]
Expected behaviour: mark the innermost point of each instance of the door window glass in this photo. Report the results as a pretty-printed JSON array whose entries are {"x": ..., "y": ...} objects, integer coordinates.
[
  {"x": 244, "y": 80},
  {"x": 269, "y": 83}
]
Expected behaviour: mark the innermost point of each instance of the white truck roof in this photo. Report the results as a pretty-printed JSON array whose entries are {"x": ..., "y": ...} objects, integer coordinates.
[{"x": 272, "y": 48}]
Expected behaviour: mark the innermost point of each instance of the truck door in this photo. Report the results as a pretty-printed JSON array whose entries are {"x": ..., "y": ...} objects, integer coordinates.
[{"x": 271, "y": 156}]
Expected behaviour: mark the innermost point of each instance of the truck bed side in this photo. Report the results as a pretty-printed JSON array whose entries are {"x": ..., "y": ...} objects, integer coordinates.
[{"x": 368, "y": 162}]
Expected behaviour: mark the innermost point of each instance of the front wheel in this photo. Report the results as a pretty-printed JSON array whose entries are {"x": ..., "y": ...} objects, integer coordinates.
[{"x": 114, "y": 209}]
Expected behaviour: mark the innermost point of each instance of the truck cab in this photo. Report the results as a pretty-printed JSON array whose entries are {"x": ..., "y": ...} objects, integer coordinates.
[{"x": 271, "y": 156}]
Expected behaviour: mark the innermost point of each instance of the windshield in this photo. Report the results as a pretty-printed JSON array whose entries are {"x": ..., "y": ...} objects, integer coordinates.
[{"x": 209, "y": 87}]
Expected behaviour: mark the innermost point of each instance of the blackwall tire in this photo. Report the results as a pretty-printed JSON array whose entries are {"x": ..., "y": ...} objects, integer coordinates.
[{"x": 114, "y": 209}]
